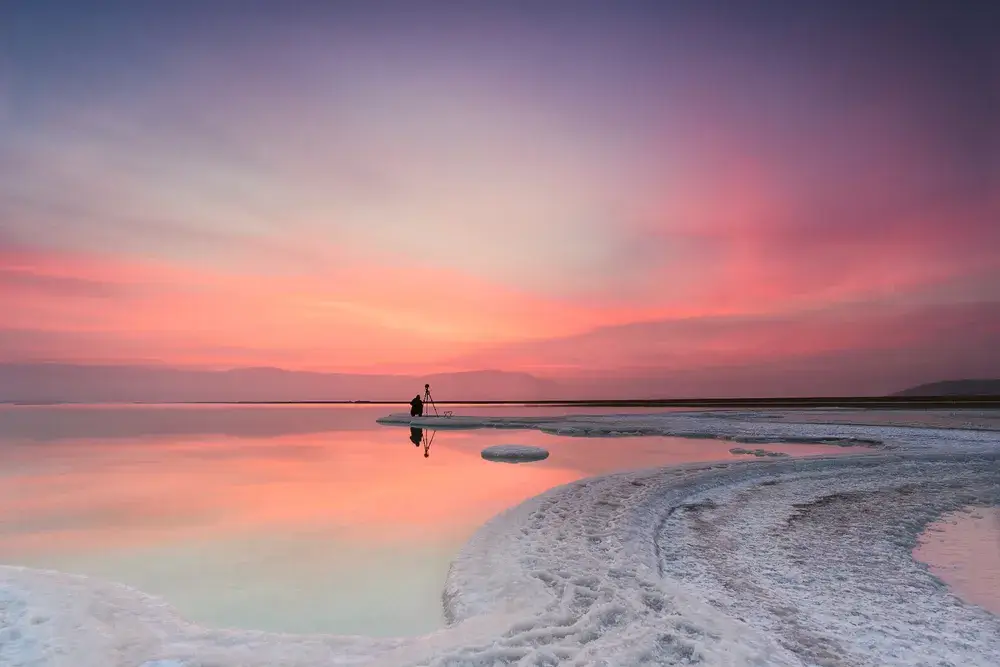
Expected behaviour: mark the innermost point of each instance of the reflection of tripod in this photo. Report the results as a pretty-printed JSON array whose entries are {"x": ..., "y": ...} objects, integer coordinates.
[
  {"x": 427, "y": 443},
  {"x": 418, "y": 436},
  {"x": 428, "y": 400}
]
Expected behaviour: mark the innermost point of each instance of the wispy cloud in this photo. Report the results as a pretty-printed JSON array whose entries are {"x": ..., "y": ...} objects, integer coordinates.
[{"x": 363, "y": 189}]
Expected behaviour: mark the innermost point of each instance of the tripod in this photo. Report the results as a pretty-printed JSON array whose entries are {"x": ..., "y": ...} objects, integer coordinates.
[{"x": 429, "y": 400}]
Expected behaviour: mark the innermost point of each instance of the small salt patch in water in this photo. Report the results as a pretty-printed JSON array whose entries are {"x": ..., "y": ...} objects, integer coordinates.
[
  {"x": 963, "y": 550},
  {"x": 514, "y": 453}
]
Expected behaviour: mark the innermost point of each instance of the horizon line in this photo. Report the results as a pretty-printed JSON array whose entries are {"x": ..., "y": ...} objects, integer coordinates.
[{"x": 969, "y": 400}]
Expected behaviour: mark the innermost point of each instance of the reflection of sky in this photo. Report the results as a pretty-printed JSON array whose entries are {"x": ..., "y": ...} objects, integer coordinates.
[
  {"x": 349, "y": 530},
  {"x": 660, "y": 186},
  {"x": 963, "y": 550}
]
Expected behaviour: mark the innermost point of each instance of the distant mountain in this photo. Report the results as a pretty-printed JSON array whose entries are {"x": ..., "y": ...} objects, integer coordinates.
[
  {"x": 954, "y": 388},
  {"x": 71, "y": 383}
]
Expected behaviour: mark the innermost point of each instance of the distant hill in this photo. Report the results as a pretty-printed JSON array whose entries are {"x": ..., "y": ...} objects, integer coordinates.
[
  {"x": 70, "y": 383},
  {"x": 954, "y": 388}
]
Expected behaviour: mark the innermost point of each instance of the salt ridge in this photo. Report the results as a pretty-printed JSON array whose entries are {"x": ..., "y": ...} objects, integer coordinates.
[{"x": 718, "y": 563}]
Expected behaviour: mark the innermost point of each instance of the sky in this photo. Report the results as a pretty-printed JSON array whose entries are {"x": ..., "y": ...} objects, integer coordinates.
[{"x": 587, "y": 189}]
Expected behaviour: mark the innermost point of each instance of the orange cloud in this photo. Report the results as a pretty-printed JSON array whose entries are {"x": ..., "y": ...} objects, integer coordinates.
[{"x": 349, "y": 316}]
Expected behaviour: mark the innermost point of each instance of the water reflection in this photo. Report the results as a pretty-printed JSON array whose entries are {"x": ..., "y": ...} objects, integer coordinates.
[
  {"x": 290, "y": 518},
  {"x": 418, "y": 437},
  {"x": 962, "y": 548}
]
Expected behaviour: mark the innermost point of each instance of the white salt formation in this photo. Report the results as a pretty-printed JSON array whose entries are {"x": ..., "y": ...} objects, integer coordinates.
[
  {"x": 765, "y": 562},
  {"x": 515, "y": 453},
  {"x": 739, "y": 426}
]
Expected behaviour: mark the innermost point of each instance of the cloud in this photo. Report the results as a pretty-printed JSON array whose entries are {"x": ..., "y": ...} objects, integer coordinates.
[
  {"x": 867, "y": 342},
  {"x": 350, "y": 315},
  {"x": 352, "y": 192},
  {"x": 747, "y": 230},
  {"x": 45, "y": 285}
]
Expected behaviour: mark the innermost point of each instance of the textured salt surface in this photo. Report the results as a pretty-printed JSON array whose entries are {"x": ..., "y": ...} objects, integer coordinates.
[
  {"x": 739, "y": 426},
  {"x": 769, "y": 562},
  {"x": 515, "y": 453}
]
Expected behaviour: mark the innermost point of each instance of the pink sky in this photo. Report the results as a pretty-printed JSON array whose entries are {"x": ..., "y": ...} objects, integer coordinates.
[{"x": 404, "y": 197}]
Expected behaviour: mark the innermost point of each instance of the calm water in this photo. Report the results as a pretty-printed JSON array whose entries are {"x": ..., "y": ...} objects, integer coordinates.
[
  {"x": 290, "y": 518},
  {"x": 963, "y": 550}
]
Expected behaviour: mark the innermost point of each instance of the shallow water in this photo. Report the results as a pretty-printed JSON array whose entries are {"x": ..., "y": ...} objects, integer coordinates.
[
  {"x": 963, "y": 550},
  {"x": 290, "y": 518},
  {"x": 967, "y": 418}
]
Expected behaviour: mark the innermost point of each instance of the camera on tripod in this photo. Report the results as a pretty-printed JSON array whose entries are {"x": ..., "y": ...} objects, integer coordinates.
[{"x": 429, "y": 400}]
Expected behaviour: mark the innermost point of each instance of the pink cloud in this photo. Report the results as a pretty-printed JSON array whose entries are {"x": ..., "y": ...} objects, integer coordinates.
[
  {"x": 857, "y": 336},
  {"x": 351, "y": 315}
]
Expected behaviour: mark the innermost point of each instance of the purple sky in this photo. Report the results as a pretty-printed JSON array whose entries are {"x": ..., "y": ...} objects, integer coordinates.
[{"x": 708, "y": 191}]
